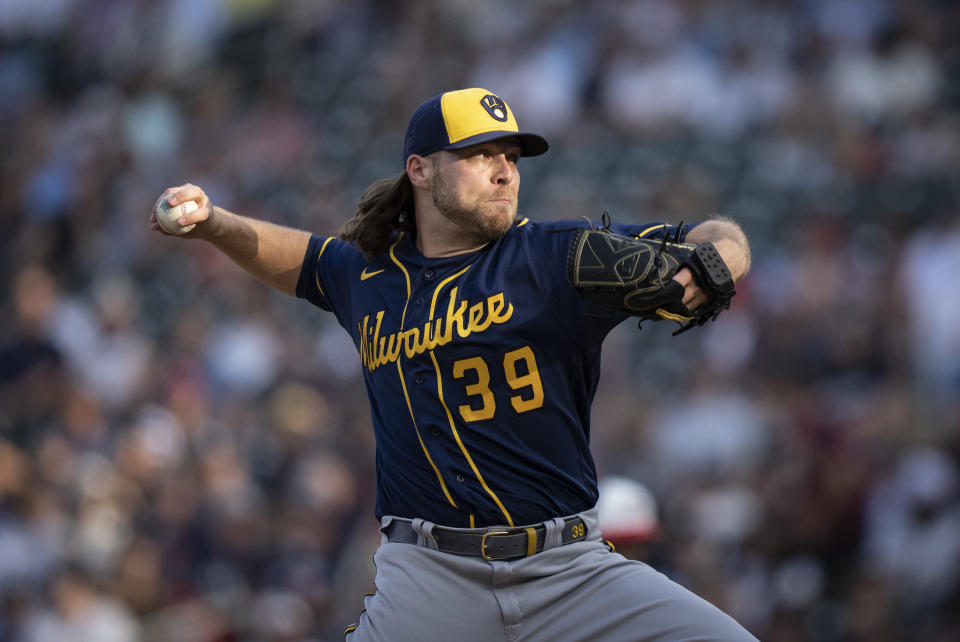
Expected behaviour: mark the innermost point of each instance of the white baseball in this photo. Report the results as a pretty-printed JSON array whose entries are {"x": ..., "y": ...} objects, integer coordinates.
[{"x": 167, "y": 216}]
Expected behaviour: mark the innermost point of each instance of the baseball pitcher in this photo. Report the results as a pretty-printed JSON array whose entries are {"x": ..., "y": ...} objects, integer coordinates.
[{"x": 479, "y": 334}]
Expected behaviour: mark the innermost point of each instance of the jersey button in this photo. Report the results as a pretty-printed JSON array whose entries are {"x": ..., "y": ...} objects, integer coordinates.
[
  {"x": 461, "y": 478},
  {"x": 419, "y": 379},
  {"x": 428, "y": 274},
  {"x": 419, "y": 300},
  {"x": 435, "y": 432}
]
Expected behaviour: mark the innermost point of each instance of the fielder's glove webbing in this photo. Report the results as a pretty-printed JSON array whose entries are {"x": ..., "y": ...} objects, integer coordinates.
[{"x": 635, "y": 275}]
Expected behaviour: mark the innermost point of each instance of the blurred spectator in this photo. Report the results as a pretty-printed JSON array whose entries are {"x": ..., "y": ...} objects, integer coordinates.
[
  {"x": 913, "y": 521},
  {"x": 628, "y": 516},
  {"x": 930, "y": 254},
  {"x": 82, "y": 613},
  {"x": 710, "y": 431}
]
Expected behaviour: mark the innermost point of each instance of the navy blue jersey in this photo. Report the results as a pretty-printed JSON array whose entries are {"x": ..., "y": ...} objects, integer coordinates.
[{"x": 480, "y": 369}]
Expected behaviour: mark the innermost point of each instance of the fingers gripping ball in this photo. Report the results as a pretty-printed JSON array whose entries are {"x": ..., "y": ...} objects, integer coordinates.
[{"x": 168, "y": 215}]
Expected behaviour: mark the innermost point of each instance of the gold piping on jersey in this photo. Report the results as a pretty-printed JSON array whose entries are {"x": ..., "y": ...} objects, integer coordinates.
[
  {"x": 433, "y": 304},
  {"x": 463, "y": 448},
  {"x": 403, "y": 383},
  {"x": 436, "y": 292},
  {"x": 523, "y": 222},
  {"x": 319, "y": 254},
  {"x": 406, "y": 276},
  {"x": 650, "y": 229}
]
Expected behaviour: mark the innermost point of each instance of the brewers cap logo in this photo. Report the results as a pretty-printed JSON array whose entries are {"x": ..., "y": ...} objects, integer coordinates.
[{"x": 495, "y": 107}]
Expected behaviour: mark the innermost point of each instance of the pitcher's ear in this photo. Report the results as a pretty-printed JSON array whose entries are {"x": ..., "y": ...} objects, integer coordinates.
[{"x": 419, "y": 170}]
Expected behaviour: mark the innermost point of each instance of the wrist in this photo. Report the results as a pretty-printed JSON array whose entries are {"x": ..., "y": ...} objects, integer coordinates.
[
  {"x": 733, "y": 254},
  {"x": 211, "y": 227}
]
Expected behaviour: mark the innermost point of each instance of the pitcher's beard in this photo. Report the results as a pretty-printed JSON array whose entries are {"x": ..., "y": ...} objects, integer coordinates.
[{"x": 482, "y": 229}]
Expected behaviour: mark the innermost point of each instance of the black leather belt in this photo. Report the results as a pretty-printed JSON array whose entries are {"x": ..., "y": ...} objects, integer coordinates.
[{"x": 494, "y": 544}]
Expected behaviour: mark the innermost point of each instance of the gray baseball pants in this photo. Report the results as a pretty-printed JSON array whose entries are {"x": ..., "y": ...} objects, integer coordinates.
[{"x": 580, "y": 591}]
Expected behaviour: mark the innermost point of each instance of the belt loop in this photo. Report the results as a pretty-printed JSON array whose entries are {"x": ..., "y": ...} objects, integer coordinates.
[
  {"x": 424, "y": 531},
  {"x": 553, "y": 536},
  {"x": 385, "y": 522},
  {"x": 531, "y": 540},
  {"x": 589, "y": 518}
]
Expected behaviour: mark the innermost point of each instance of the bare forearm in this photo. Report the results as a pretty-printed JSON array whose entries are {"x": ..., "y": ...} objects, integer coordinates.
[
  {"x": 729, "y": 240},
  {"x": 270, "y": 252}
]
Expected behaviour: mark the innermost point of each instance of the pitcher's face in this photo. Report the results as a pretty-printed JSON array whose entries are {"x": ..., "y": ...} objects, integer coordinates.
[{"x": 476, "y": 187}]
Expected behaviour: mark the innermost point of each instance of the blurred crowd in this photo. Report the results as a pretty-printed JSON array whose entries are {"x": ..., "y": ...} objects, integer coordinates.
[{"x": 185, "y": 455}]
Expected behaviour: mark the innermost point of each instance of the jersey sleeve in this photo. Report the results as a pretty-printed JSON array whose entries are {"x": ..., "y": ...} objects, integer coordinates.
[
  {"x": 323, "y": 279},
  {"x": 653, "y": 230}
]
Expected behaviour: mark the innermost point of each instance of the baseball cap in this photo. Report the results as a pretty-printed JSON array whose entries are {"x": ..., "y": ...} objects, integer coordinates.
[{"x": 465, "y": 117}]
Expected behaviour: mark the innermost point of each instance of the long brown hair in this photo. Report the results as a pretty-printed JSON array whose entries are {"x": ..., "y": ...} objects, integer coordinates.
[{"x": 385, "y": 209}]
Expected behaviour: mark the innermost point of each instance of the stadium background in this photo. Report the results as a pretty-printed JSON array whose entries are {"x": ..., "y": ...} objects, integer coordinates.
[{"x": 185, "y": 455}]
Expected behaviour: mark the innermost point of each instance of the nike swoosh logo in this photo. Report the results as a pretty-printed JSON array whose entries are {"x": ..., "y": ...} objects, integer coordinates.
[{"x": 364, "y": 275}]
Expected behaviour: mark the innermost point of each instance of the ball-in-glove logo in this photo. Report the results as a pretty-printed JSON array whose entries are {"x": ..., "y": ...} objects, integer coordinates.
[{"x": 495, "y": 107}]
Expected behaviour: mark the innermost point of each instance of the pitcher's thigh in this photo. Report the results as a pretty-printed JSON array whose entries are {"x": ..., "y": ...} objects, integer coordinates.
[
  {"x": 426, "y": 595},
  {"x": 603, "y": 596}
]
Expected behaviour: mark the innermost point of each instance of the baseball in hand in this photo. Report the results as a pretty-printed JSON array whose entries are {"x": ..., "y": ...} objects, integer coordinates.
[{"x": 167, "y": 216}]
